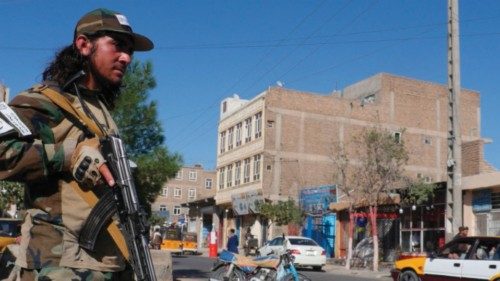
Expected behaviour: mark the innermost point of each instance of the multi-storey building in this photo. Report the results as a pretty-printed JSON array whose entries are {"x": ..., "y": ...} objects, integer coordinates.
[
  {"x": 190, "y": 184},
  {"x": 283, "y": 141}
]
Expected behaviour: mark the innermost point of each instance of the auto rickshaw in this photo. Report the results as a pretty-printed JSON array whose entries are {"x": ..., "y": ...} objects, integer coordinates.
[
  {"x": 9, "y": 230},
  {"x": 172, "y": 240},
  {"x": 190, "y": 242}
]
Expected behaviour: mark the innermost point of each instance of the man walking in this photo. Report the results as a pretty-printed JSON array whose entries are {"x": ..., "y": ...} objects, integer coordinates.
[{"x": 232, "y": 241}]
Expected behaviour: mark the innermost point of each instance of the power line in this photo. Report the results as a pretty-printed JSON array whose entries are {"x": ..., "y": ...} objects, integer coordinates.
[
  {"x": 290, "y": 53},
  {"x": 254, "y": 66},
  {"x": 316, "y": 49}
]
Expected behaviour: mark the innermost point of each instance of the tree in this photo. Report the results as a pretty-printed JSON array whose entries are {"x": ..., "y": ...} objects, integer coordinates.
[
  {"x": 142, "y": 133},
  {"x": 418, "y": 192},
  {"x": 10, "y": 193},
  {"x": 382, "y": 159},
  {"x": 282, "y": 212},
  {"x": 370, "y": 170},
  {"x": 345, "y": 178}
]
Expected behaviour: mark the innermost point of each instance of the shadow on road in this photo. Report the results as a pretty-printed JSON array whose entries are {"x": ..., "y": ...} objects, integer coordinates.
[{"x": 189, "y": 273}]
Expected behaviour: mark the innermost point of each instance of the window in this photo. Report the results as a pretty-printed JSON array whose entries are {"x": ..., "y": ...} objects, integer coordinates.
[
  {"x": 246, "y": 171},
  {"x": 256, "y": 167},
  {"x": 229, "y": 175},
  {"x": 177, "y": 192},
  {"x": 258, "y": 125},
  {"x": 192, "y": 193},
  {"x": 397, "y": 137},
  {"x": 193, "y": 175},
  {"x": 221, "y": 177},
  {"x": 164, "y": 192},
  {"x": 427, "y": 140},
  {"x": 238, "y": 134},
  {"x": 368, "y": 99},
  {"x": 163, "y": 208},
  {"x": 222, "y": 142},
  {"x": 178, "y": 175},
  {"x": 230, "y": 134},
  {"x": 248, "y": 129},
  {"x": 495, "y": 200},
  {"x": 177, "y": 210},
  {"x": 237, "y": 173},
  {"x": 208, "y": 183}
]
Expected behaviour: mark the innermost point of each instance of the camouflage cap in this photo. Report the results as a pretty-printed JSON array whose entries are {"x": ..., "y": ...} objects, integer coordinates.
[{"x": 107, "y": 20}]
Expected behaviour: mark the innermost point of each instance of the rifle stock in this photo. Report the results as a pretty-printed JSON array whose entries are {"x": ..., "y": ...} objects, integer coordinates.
[{"x": 131, "y": 214}]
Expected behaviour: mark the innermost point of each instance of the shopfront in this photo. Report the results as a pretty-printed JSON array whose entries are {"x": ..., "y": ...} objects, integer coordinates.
[{"x": 423, "y": 226}]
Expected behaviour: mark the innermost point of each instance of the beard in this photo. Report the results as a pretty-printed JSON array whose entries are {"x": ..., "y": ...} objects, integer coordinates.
[
  {"x": 110, "y": 90},
  {"x": 104, "y": 83}
]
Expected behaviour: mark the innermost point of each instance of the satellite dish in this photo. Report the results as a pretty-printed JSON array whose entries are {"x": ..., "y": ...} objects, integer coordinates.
[{"x": 280, "y": 84}]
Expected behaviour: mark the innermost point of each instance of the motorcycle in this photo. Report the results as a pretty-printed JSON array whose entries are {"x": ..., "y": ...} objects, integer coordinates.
[{"x": 233, "y": 267}]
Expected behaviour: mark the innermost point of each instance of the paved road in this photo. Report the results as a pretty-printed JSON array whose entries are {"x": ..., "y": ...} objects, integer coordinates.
[{"x": 194, "y": 268}]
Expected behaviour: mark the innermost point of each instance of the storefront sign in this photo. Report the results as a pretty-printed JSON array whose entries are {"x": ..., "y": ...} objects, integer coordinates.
[
  {"x": 317, "y": 200},
  {"x": 245, "y": 203}
]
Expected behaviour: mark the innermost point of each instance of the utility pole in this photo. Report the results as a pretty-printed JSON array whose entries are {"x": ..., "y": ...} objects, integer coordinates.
[{"x": 454, "y": 161}]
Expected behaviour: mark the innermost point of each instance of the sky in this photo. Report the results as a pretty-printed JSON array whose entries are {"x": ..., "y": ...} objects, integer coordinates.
[{"x": 207, "y": 50}]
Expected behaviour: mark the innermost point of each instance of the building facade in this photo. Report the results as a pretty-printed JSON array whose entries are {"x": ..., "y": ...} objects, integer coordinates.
[
  {"x": 283, "y": 141},
  {"x": 191, "y": 183}
]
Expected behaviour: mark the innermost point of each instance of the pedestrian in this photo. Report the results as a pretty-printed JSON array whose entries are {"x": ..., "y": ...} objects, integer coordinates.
[
  {"x": 248, "y": 240},
  {"x": 57, "y": 153},
  {"x": 156, "y": 239},
  {"x": 232, "y": 241},
  {"x": 463, "y": 231},
  {"x": 459, "y": 249}
]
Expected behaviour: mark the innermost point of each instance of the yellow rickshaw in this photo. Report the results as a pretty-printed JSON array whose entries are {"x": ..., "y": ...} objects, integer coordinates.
[
  {"x": 190, "y": 242},
  {"x": 172, "y": 240},
  {"x": 9, "y": 230}
]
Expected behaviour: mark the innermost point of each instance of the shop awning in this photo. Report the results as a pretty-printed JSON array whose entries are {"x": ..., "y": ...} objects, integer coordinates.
[{"x": 392, "y": 199}]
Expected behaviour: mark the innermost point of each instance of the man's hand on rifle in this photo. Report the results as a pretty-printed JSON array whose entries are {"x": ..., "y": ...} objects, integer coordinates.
[{"x": 88, "y": 166}]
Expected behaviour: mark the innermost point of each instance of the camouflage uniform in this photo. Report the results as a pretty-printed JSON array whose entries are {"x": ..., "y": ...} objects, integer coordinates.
[{"x": 56, "y": 213}]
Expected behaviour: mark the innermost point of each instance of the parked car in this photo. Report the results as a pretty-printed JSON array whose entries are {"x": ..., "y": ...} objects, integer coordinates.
[
  {"x": 465, "y": 258},
  {"x": 305, "y": 250}
]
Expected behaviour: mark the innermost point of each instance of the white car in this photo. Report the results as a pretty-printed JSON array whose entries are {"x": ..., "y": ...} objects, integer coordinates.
[{"x": 305, "y": 250}]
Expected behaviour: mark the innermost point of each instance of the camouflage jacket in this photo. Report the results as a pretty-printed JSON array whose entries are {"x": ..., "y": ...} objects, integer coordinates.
[{"x": 56, "y": 213}]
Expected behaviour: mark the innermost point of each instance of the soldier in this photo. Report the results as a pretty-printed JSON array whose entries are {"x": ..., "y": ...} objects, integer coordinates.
[{"x": 57, "y": 154}]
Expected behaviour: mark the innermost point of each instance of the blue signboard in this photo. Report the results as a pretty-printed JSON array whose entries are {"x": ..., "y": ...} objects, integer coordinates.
[
  {"x": 481, "y": 201},
  {"x": 317, "y": 200}
]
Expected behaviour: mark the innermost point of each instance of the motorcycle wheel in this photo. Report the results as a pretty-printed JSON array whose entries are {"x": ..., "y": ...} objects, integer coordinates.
[
  {"x": 289, "y": 277},
  {"x": 220, "y": 273}
]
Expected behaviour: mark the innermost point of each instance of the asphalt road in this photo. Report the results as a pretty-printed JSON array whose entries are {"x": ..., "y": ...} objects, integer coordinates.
[{"x": 194, "y": 268}]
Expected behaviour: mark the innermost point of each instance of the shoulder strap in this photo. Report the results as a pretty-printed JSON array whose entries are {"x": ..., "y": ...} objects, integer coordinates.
[
  {"x": 67, "y": 106},
  {"x": 88, "y": 196}
]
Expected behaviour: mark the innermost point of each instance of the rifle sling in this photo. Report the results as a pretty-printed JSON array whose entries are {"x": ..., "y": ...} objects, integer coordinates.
[{"x": 88, "y": 196}]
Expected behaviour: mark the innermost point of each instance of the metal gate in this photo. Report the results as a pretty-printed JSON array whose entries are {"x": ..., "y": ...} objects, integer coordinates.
[{"x": 322, "y": 230}]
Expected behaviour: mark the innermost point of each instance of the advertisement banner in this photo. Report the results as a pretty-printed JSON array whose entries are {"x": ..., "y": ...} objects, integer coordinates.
[
  {"x": 316, "y": 200},
  {"x": 246, "y": 203}
]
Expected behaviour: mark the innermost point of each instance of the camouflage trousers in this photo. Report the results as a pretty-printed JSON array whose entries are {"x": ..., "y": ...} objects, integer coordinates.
[{"x": 72, "y": 274}]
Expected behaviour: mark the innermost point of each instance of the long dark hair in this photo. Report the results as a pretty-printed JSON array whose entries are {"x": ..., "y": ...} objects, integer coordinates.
[{"x": 66, "y": 63}]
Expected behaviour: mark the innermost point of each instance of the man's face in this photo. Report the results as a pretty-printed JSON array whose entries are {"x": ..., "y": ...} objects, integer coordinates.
[{"x": 111, "y": 54}]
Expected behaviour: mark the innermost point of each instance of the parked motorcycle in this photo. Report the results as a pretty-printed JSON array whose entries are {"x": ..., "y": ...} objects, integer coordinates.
[{"x": 233, "y": 267}]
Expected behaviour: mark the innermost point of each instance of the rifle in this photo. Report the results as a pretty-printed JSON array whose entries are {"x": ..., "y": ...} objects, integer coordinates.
[
  {"x": 130, "y": 212},
  {"x": 122, "y": 199}
]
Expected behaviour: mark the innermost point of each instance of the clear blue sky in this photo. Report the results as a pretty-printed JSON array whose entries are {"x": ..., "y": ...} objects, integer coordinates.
[{"x": 208, "y": 50}]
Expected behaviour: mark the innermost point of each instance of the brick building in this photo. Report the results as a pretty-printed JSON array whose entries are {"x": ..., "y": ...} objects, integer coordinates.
[
  {"x": 191, "y": 183},
  {"x": 282, "y": 142}
]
